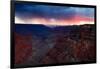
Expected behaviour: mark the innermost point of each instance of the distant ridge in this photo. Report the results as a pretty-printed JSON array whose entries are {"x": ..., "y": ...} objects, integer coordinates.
[{"x": 40, "y": 29}]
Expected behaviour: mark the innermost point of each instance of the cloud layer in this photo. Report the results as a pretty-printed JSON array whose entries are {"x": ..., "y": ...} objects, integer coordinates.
[{"x": 47, "y": 14}]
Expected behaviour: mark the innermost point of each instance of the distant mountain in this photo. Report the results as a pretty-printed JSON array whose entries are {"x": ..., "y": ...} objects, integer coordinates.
[
  {"x": 38, "y": 30},
  {"x": 42, "y": 30}
]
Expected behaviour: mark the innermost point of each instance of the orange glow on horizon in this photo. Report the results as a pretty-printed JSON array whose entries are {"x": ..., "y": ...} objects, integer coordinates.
[{"x": 77, "y": 20}]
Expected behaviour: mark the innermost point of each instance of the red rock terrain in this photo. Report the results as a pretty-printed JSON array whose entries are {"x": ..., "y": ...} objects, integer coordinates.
[
  {"x": 66, "y": 44},
  {"x": 68, "y": 49},
  {"x": 23, "y": 48}
]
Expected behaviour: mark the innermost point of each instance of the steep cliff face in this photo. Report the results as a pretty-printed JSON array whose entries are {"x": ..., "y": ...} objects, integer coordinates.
[
  {"x": 79, "y": 46},
  {"x": 23, "y": 48},
  {"x": 65, "y": 44},
  {"x": 86, "y": 49}
]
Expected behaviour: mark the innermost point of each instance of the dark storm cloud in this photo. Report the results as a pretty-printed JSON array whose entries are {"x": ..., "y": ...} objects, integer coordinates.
[
  {"x": 28, "y": 10},
  {"x": 32, "y": 11}
]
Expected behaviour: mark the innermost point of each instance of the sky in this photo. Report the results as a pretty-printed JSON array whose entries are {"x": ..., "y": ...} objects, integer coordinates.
[{"x": 28, "y": 13}]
